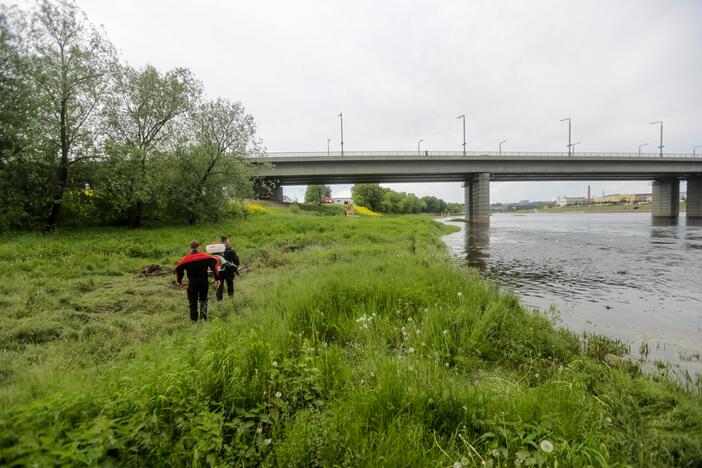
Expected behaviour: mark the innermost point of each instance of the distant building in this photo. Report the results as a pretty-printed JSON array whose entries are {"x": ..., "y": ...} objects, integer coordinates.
[
  {"x": 624, "y": 198},
  {"x": 571, "y": 201},
  {"x": 340, "y": 201}
]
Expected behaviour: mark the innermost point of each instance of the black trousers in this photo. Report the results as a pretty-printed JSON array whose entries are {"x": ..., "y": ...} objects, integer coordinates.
[
  {"x": 229, "y": 280},
  {"x": 198, "y": 292}
]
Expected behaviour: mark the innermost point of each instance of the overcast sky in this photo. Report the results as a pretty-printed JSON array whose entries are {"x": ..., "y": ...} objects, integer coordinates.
[{"x": 403, "y": 70}]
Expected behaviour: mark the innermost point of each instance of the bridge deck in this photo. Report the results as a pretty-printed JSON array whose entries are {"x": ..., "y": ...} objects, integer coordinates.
[{"x": 366, "y": 167}]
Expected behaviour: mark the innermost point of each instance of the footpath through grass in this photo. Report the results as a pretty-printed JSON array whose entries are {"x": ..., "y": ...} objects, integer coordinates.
[{"x": 353, "y": 342}]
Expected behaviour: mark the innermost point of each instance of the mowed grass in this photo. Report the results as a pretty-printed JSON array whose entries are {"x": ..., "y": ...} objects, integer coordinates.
[{"x": 353, "y": 342}]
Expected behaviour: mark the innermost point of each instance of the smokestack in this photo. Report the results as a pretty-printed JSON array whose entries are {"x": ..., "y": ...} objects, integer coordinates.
[{"x": 588, "y": 192}]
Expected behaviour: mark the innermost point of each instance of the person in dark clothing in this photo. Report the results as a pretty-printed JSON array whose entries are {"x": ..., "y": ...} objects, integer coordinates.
[
  {"x": 196, "y": 265},
  {"x": 230, "y": 268}
]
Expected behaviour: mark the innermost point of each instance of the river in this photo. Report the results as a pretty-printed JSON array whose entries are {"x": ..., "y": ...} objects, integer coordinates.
[{"x": 623, "y": 275}]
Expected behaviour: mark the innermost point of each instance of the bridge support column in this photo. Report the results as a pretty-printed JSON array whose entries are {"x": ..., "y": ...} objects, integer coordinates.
[
  {"x": 694, "y": 197},
  {"x": 277, "y": 194},
  {"x": 666, "y": 198},
  {"x": 477, "y": 198}
]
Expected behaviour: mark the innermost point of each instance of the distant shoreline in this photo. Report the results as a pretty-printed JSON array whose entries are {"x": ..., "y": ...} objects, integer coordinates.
[{"x": 645, "y": 208}]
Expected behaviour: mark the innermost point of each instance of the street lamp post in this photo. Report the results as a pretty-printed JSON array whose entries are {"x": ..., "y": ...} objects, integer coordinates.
[
  {"x": 500, "y": 151},
  {"x": 419, "y": 151},
  {"x": 573, "y": 146},
  {"x": 328, "y": 142},
  {"x": 661, "y": 145},
  {"x": 570, "y": 147},
  {"x": 463, "y": 117},
  {"x": 341, "y": 116},
  {"x": 641, "y": 146},
  {"x": 694, "y": 149}
]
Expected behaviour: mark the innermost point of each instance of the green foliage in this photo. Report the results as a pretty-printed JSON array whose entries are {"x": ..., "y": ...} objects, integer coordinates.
[
  {"x": 356, "y": 342},
  {"x": 316, "y": 193},
  {"x": 384, "y": 200},
  {"x": 368, "y": 195},
  {"x": 144, "y": 141}
]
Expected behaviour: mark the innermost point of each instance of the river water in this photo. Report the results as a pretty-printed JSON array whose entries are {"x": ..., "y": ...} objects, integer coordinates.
[{"x": 623, "y": 275}]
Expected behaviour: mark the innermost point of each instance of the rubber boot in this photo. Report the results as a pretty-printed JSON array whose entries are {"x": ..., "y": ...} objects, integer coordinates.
[{"x": 203, "y": 310}]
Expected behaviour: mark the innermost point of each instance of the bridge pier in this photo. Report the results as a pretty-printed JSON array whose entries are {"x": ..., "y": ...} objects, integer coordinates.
[
  {"x": 277, "y": 194},
  {"x": 694, "y": 197},
  {"x": 666, "y": 198},
  {"x": 477, "y": 198}
]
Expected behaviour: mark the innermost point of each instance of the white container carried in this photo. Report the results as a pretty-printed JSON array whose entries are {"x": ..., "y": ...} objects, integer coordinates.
[{"x": 215, "y": 248}]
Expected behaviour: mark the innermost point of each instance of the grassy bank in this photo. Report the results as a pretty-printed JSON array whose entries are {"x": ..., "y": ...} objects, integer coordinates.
[{"x": 353, "y": 342}]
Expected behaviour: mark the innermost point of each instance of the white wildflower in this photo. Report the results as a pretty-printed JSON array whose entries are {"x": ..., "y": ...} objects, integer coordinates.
[
  {"x": 411, "y": 350},
  {"x": 274, "y": 363},
  {"x": 460, "y": 294},
  {"x": 546, "y": 446},
  {"x": 278, "y": 394},
  {"x": 268, "y": 441},
  {"x": 259, "y": 429},
  {"x": 445, "y": 332},
  {"x": 458, "y": 465}
]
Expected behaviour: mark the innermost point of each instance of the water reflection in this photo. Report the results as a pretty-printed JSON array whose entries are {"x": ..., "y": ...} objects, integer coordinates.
[
  {"x": 477, "y": 245},
  {"x": 625, "y": 275}
]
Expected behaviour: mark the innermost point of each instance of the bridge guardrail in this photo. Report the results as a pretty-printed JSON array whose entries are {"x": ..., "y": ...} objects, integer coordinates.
[{"x": 532, "y": 154}]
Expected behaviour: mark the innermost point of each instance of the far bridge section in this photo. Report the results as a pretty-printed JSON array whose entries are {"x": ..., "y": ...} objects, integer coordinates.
[{"x": 476, "y": 169}]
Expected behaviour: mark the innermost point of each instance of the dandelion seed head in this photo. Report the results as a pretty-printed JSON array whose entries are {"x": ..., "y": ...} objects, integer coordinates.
[
  {"x": 259, "y": 430},
  {"x": 445, "y": 332},
  {"x": 458, "y": 465},
  {"x": 460, "y": 294},
  {"x": 546, "y": 446},
  {"x": 411, "y": 350},
  {"x": 278, "y": 394},
  {"x": 274, "y": 363},
  {"x": 268, "y": 441}
]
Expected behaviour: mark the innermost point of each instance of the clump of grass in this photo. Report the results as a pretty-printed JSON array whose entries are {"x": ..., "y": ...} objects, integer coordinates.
[{"x": 354, "y": 350}]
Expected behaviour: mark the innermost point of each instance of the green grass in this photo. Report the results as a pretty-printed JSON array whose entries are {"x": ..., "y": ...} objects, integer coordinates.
[{"x": 353, "y": 342}]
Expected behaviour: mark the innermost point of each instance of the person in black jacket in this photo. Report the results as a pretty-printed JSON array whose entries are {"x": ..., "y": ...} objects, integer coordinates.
[
  {"x": 196, "y": 265},
  {"x": 231, "y": 267}
]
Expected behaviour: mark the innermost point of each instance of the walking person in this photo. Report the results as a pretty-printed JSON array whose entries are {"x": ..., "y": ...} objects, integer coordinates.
[
  {"x": 230, "y": 268},
  {"x": 196, "y": 265}
]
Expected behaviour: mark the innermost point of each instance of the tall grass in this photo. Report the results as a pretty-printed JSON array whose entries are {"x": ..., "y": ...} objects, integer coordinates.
[{"x": 355, "y": 342}]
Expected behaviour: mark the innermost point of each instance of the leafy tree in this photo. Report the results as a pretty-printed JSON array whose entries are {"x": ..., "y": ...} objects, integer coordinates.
[
  {"x": 21, "y": 171},
  {"x": 434, "y": 205},
  {"x": 141, "y": 117},
  {"x": 215, "y": 165},
  {"x": 368, "y": 195},
  {"x": 316, "y": 193},
  {"x": 71, "y": 63}
]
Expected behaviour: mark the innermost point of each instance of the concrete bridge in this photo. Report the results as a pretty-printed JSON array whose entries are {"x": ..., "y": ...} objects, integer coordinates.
[{"x": 476, "y": 169}]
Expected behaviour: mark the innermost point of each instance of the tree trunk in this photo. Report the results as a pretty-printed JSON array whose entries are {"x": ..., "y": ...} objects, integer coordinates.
[{"x": 61, "y": 170}]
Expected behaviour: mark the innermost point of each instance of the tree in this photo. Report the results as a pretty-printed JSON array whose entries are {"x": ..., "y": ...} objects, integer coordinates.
[
  {"x": 71, "y": 63},
  {"x": 368, "y": 195},
  {"x": 215, "y": 166},
  {"x": 141, "y": 116},
  {"x": 434, "y": 205},
  {"x": 316, "y": 193}
]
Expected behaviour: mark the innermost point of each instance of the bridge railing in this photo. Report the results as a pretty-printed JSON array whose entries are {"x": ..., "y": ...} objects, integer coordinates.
[{"x": 468, "y": 154}]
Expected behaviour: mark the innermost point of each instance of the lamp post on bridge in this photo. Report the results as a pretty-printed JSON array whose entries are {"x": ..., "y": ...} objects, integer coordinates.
[
  {"x": 341, "y": 116},
  {"x": 570, "y": 147},
  {"x": 419, "y": 151},
  {"x": 328, "y": 142},
  {"x": 694, "y": 149},
  {"x": 641, "y": 146},
  {"x": 573, "y": 146},
  {"x": 462, "y": 116},
  {"x": 500, "y": 146},
  {"x": 661, "y": 145}
]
